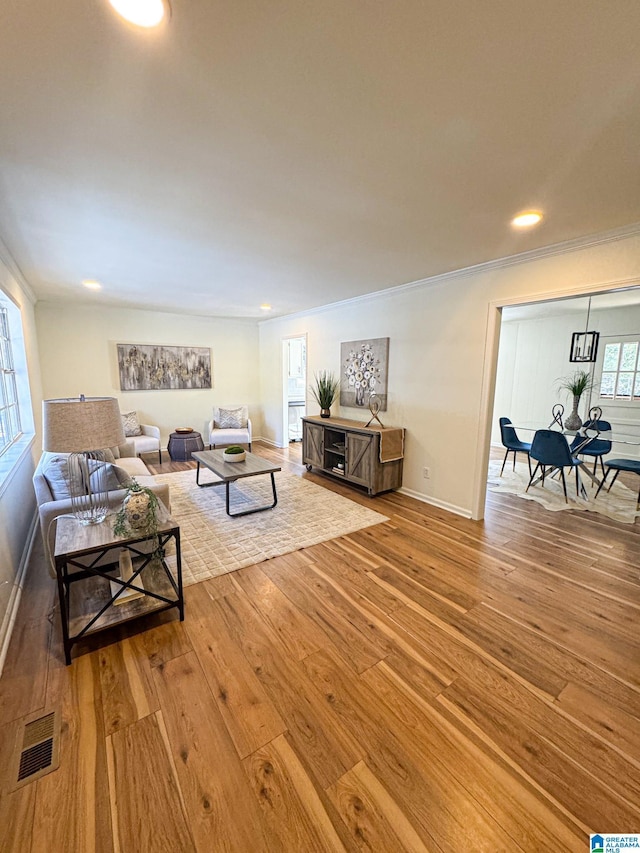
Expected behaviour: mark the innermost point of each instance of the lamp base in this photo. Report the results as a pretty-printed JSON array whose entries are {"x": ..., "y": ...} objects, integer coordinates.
[
  {"x": 126, "y": 570},
  {"x": 88, "y": 486}
]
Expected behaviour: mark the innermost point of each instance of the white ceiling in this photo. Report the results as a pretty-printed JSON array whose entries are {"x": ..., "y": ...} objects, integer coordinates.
[{"x": 303, "y": 153}]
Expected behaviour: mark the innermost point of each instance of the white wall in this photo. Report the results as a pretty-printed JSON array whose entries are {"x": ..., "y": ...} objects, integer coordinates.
[
  {"x": 17, "y": 499},
  {"x": 438, "y": 357},
  {"x": 78, "y": 354}
]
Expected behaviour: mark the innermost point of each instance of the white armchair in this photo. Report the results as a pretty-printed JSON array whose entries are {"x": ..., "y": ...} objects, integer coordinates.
[
  {"x": 229, "y": 425},
  {"x": 148, "y": 442}
]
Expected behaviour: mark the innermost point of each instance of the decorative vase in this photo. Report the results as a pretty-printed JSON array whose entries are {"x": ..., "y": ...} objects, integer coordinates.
[
  {"x": 325, "y": 413},
  {"x": 574, "y": 421},
  {"x": 136, "y": 508}
]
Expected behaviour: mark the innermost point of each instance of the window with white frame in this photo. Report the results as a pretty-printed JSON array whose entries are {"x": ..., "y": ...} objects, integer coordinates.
[
  {"x": 620, "y": 378},
  {"x": 10, "y": 426}
]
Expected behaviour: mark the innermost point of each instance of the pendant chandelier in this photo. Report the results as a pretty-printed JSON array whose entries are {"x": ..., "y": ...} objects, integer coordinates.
[{"x": 584, "y": 345}]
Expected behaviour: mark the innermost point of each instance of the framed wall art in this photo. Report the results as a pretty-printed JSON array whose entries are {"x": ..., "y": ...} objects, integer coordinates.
[
  {"x": 363, "y": 371},
  {"x": 154, "y": 367}
]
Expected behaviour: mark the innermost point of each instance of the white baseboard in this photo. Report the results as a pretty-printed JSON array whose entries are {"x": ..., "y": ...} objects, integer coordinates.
[
  {"x": 270, "y": 442},
  {"x": 9, "y": 619},
  {"x": 426, "y": 499}
]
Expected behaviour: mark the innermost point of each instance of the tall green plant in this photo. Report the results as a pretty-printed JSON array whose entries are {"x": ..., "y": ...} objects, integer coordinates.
[
  {"x": 324, "y": 389},
  {"x": 577, "y": 383}
]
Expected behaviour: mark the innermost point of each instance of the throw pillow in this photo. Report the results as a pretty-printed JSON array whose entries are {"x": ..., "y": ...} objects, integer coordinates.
[
  {"x": 109, "y": 455},
  {"x": 131, "y": 424},
  {"x": 114, "y": 478},
  {"x": 55, "y": 470},
  {"x": 231, "y": 419}
]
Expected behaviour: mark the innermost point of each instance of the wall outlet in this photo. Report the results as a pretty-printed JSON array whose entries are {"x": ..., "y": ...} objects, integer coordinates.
[{"x": 426, "y": 472}]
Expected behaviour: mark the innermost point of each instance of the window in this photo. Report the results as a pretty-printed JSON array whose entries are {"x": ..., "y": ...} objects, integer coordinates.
[
  {"x": 10, "y": 427},
  {"x": 620, "y": 378}
]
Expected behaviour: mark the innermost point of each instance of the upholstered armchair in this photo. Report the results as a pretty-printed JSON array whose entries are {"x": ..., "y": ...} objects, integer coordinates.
[
  {"x": 143, "y": 438},
  {"x": 229, "y": 425}
]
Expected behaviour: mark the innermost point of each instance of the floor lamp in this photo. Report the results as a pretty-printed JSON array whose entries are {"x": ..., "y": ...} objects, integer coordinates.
[{"x": 83, "y": 428}]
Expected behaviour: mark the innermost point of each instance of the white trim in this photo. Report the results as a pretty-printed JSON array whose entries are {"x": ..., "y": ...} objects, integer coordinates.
[
  {"x": 632, "y": 283},
  {"x": 270, "y": 441},
  {"x": 14, "y": 270},
  {"x": 9, "y": 620},
  {"x": 427, "y": 499},
  {"x": 11, "y": 460},
  {"x": 489, "y": 371},
  {"x": 487, "y": 266}
]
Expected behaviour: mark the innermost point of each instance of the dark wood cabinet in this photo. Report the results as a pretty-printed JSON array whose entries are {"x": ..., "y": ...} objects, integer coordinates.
[{"x": 348, "y": 450}]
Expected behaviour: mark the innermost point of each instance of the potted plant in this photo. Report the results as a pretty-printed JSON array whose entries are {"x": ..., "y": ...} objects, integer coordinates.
[
  {"x": 234, "y": 453},
  {"x": 324, "y": 390},
  {"x": 576, "y": 385}
]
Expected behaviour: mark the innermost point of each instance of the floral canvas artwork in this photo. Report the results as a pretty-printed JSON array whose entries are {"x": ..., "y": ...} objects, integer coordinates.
[
  {"x": 145, "y": 367},
  {"x": 363, "y": 371}
]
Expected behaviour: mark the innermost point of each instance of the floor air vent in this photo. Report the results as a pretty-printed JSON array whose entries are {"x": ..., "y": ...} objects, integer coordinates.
[{"x": 36, "y": 748}]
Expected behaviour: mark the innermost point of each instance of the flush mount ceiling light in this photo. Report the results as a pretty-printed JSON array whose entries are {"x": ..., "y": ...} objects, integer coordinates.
[
  {"x": 265, "y": 307},
  {"x": 142, "y": 13},
  {"x": 527, "y": 219},
  {"x": 92, "y": 284}
]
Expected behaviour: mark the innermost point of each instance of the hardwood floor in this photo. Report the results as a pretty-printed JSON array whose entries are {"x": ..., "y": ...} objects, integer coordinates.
[{"x": 431, "y": 683}]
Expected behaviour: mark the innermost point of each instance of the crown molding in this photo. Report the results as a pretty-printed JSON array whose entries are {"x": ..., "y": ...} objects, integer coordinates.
[
  {"x": 573, "y": 245},
  {"x": 7, "y": 259}
]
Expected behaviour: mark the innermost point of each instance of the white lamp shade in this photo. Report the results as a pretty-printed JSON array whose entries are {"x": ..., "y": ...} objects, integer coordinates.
[{"x": 75, "y": 425}]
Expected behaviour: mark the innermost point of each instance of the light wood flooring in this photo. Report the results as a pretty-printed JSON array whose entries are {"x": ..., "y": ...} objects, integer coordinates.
[{"x": 431, "y": 683}]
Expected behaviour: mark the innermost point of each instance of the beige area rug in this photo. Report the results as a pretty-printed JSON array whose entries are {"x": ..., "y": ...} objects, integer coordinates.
[
  {"x": 213, "y": 544},
  {"x": 619, "y": 504}
]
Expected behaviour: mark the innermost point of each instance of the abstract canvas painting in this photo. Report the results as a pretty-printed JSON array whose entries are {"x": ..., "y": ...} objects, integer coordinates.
[
  {"x": 151, "y": 367},
  {"x": 363, "y": 371}
]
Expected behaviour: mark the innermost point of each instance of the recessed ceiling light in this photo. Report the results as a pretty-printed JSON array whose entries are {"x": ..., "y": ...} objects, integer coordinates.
[
  {"x": 92, "y": 284},
  {"x": 142, "y": 13},
  {"x": 527, "y": 219},
  {"x": 265, "y": 307}
]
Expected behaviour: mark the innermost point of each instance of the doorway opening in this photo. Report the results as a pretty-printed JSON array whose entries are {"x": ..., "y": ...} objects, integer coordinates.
[
  {"x": 294, "y": 362},
  {"x": 536, "y": 355}
]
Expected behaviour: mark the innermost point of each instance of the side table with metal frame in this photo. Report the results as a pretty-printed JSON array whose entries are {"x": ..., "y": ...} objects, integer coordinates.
[{"x": 83, "y": 552}]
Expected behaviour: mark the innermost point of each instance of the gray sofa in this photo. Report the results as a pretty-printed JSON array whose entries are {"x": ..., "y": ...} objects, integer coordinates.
[{"x": 50, "y": 508}]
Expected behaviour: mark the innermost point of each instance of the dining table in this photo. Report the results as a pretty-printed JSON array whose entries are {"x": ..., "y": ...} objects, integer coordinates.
[{"x": 588, "y": 435}]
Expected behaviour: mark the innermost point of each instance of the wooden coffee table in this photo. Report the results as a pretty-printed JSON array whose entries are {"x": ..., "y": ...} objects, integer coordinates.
[{"x": 229, "y": 472}]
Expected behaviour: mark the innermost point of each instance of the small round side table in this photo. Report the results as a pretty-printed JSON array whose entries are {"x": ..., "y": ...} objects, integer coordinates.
[{"x": 182, "y": 444}]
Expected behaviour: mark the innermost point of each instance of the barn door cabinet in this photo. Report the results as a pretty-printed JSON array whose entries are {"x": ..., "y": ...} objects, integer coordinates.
[{"x": 348, "y": 451}]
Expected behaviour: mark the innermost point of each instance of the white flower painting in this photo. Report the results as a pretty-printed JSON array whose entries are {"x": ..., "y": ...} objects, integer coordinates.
[{"x": 364, "y": 367}]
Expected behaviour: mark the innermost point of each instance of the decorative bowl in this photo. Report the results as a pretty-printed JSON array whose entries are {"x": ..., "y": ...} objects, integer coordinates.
[
  {"x": 183, "y": 429},
  {"x": 234, "y": 457}
]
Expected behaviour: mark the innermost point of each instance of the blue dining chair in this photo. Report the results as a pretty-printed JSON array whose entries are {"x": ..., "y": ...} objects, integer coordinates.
[
  {"x": 617, "y": 465},
  {"x": 597, "y": 447},
  {"x": 513, "y": 444},
  {"x": 551, "y": 449}
]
